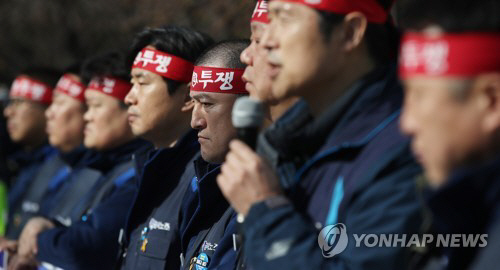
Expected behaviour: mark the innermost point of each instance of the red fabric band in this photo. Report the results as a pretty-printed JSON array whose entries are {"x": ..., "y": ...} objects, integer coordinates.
[
  {"x": 462, "y": 55},
  {"x": 31, "y": 89},
  {"x": 69, "y": 86},
  {"x": 260, "y": 12},
  {"x": 164, "y": 64},
  {"x": 220, "y": 80},
  {"x": 373, "y": 11},
  {"x": 111, "y": 86}
]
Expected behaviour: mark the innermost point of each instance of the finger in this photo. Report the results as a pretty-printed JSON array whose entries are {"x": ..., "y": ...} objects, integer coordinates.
[
  {"x": 35, "y": 247},
  {"x": 222, "y": 183},
  {"x": 231, "y": 164},
  {"x": 12, "y": 246},
  {"x": 242, "y": 151}
]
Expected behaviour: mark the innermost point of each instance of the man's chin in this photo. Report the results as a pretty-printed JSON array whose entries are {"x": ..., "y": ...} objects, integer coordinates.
[
  {"x": 436, "y": 178},
  {"x": 212, "y": 159}
]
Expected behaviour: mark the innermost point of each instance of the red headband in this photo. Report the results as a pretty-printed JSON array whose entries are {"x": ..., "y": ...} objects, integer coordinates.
[
  {"x": 260, "y": 12},
  {"x": 220, "y": 80},
  {"x": 111, "y": 86},
  {"x": 69, "y": 86},
  {"x": 373, "y": 11},
  {"x": 28, "y": 88},
  {"x": 449, "y": 55},
  {"x": 164, "y": 64}
]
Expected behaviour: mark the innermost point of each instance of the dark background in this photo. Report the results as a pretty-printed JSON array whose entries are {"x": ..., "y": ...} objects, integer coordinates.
[{"x": 55, "y": 33}]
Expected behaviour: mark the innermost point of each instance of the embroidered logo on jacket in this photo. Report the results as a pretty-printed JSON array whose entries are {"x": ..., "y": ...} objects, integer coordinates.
[
  {"x": 207, "y": 246},
  {"x": 158, "y": 225}
]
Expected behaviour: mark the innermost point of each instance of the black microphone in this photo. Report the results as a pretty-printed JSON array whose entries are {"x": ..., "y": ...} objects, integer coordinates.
[{"x": 247, "y": 117}]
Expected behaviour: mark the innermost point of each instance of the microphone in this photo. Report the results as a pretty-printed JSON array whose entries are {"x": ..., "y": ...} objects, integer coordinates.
[{"x": 247, "y": 118}]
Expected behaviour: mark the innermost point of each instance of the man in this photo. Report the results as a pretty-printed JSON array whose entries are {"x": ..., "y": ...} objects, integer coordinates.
[
  {"x": 256, "y": 76},
  {"x": 84, "y": 234},
  {"x": 258, "y": 84},
  {"x": 161, "y": 62},
  {"x": 208, "y": 224},
  {"x": 65, "y": 129},
  {"x": 65, "y": 133},
  {"x": 30, "y": 96},
  {"x": 358, "y": 169},
  {"x": 451, "y": 70}
]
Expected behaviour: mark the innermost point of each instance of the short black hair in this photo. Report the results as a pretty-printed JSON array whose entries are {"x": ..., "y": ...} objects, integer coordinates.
[
  {"x": 453, "y": 16},
  {"x": 107, "y": 64},
  {"x": 226, "y": 52},
  {"x": 180, "y": 41},
  {"x": 382, "y": 39}
]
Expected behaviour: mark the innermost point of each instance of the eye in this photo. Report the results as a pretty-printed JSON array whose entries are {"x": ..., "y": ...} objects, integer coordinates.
[
  {"x": 207, "y": 104},
  {"x": 94, "y": 105}
]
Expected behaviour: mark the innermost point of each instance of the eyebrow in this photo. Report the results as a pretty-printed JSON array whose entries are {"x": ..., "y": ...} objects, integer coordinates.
[
  {"x": 139, "y": 74},
  {"x": 282, "y": 9},
  {"x": 277, "y": 10},
  {"x": 200, "y": 96}
]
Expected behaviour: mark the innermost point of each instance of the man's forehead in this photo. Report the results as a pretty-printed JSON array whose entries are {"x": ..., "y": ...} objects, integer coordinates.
[
  {"x": 424, "y": 82},
  {"x": 282, "y": 6},
  {"x": 137, "y": 72},
  {"x": 257, "y": 28}
]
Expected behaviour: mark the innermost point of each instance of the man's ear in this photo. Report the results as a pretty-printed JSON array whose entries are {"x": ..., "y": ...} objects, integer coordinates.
[
  {"x": 488, "y": 86},
  {"x": 188, "y": 101},
  {"x": 354, "y": 26}
]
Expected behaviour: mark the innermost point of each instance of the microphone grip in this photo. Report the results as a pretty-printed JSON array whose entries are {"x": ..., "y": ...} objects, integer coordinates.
[{"x": 248, "y": 136}]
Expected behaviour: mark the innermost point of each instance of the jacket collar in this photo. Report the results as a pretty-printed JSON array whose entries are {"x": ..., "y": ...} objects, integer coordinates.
[
  {"x": 187, "y": 141},
  {"x": 348, "y": 122},
  {"x": 354, "y": 118},
  {"x": 106, "y": 160},
  {"x": 470, "y": 200},
  {"x": 24, "y": 158},
  {"x": 76, "y": 157}
]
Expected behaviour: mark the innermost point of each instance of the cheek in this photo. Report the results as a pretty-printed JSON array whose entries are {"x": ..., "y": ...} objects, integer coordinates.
[
  {"x": 32, "y": 118},
  {"x": 226, "y": 133},
  {"x": 449, "y": 140},
  {"x": 75, "y": 121},
  {"x": 154, "y": 103},
  {"x": 100, "y": 124},
  {"x": 117, "y": 124},
  {"x": 100, "y": 118}
]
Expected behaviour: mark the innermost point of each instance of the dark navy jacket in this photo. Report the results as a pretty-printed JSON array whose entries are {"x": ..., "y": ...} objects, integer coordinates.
[
  {"x": 89, "y": 241},
  {"x": 69, "y": 185},
  {"x": 151, "y": 235},
  {"x": 468, "y": 204},
  {"x": 30, "y": 164},
  {"x": 208, "y": 223},
  {"x": 359, "y": 172},
  {"x": 55, "y": 169}
]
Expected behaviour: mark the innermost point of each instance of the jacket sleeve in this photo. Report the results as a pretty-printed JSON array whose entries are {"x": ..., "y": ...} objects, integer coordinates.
[
  {"x": 90, "y": 244},
  {"x": 282, "y": 238}
]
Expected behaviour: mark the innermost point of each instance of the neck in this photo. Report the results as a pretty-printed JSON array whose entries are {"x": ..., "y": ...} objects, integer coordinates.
[
  {"x": 326, "y": 94},
  {"x": 168, "y": 140},
  {"x": 69, "y": 147},
  {"x": 34, "y": 144}
]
